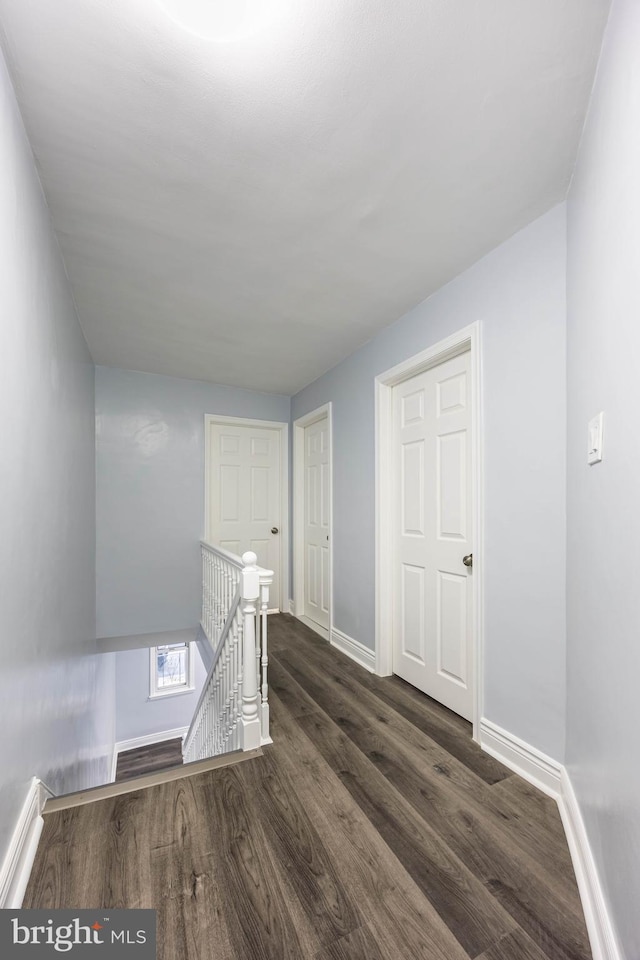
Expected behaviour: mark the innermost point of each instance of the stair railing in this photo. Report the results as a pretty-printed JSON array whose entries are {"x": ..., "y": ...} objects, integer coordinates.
[{"x": 233, "y": 709}]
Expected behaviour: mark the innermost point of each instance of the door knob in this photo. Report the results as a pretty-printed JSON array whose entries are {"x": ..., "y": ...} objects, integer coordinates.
[
  {"x": 274, "y": 530},
  {"x": 468, "y": 560}
]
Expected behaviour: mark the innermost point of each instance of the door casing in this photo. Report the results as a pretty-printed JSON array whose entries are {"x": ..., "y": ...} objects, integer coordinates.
[
  {"x": 299, "y": 426},
  {"x": 466, "y": 339},
  {"x": 283, "y": 428}
]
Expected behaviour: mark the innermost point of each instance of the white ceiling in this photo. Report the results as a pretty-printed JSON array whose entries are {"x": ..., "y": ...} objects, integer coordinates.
[{"x": 250, "y": 212}]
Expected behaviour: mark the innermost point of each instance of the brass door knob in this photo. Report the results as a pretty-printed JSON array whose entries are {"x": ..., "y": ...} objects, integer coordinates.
[{"x": 468, "y": 560}]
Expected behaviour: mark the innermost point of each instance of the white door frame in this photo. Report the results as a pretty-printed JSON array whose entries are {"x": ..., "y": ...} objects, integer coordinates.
[
  {"x": 209, "y": 418},
  {"x": 299, "y": 427},
  {"x": 466, "y": 339}
]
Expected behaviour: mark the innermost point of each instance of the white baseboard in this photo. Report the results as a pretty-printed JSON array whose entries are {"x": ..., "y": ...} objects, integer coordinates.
[
  {"x": 292, "y": 608},
  {"x": 604, "y": 945},
  {"x": 552, "y": 778},
  {"x": 150, "y": 738},
  {"x": 18, "y": 862},
  {"x": 536, "y": 767},
  {"x": 114, "y": 764},
  {"x": 354, "y": 649}
]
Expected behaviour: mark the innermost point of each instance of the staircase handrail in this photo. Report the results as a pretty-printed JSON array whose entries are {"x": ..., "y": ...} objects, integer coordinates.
[{"x": 233, "y": 558}]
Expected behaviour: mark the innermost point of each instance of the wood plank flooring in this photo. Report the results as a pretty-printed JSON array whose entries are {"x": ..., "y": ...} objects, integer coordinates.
[
  {"x": 154, "y": 756},
  {"x": 372, "y": 828}
]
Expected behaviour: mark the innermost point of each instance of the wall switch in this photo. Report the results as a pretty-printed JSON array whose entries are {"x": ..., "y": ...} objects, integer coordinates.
[{"x": 594, "y": 451}]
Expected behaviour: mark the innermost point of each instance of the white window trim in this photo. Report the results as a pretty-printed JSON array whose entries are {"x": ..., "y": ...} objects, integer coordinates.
[{"x": 154, "y": 692}]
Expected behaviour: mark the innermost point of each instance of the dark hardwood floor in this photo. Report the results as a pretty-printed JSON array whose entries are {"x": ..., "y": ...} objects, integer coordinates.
[
  {"x": 155, "y": 756},
  {"x": 372, "y": 828}
]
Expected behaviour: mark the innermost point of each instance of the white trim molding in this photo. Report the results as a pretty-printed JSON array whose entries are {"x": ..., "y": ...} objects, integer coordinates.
[
  {"x": 18, "y": 862},
  {"x": 536, "y": 767},
  {"x": 365, "y": 656},
  {"x": 466, "y": 339},
  {"x": 604, "y": 945},
  {"x": 283, "y": 428},
  {"x": 149, "y": 739}
]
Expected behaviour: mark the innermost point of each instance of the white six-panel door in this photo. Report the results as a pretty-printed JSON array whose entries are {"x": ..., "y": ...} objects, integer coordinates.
[
  {"x": 432, "y": 607},
  {"x": 316, "y": 522},
  {"x": 244, "y": 494}
]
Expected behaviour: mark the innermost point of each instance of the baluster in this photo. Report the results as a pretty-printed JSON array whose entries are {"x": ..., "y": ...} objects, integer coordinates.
[
  {"x": 212, "y": 610},
  {"x": 232, "y": 693},
  {"x": 223, "y": 592},
  {"x": 207, "y": 606},
  {"x": 258, "y": 647},
  {"x": 205, "y": 591},
  {"x": 221, "y": 706},
  {"x": 214, "y": 599},
  {"x": 236, "y": 676},
  {"x": 215, "y": 705},
  {"x": 227, "y": 705},
  {"x": 215, "y": 724},
  {"x": 212, "y": 572},
  {"x": 221, "y": 609},
  {"x": 220, "y": 712},
  {"x": 217, "y": 600},
  {"x": 226, "y": 591},
  {"x": 203, "y": 733},
  {"x": 203, "y": 612},
  {"x": 212, "y": 613},
  {"x": 209, "y": 595}
]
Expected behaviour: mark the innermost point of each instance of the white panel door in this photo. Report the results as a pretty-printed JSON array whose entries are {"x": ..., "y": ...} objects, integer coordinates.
[
  {"x": 432, "y": 596},
  {"x": 244, "y": 494},
  {"x": 316, "y": 522}
]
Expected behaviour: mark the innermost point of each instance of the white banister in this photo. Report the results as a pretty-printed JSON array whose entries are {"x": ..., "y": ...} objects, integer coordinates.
[{"x": 233, "y": 709}]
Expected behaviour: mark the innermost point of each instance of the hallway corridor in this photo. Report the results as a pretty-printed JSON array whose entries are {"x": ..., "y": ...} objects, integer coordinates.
[{"x": 372, "y": 828}]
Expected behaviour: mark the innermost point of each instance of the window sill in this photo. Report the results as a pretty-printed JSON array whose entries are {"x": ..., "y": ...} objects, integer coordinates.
[{"x": 171, "y": 693}]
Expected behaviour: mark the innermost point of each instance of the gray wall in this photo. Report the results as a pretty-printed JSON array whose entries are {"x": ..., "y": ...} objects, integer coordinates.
[
  {"x": 518, "y": 294},
  {"x": 50, "y": 681},
  {"x": 150, "y": 494},
  {"x": 603, "y": 599},
  {"x": 136, "y": 715}
]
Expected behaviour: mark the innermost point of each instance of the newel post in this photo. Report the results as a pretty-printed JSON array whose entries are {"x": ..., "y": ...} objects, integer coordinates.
[
  {"x": 250, "y": 593},
  {"x": 266, "y": 579}
]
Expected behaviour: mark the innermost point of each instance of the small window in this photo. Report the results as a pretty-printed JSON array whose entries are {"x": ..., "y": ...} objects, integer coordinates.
[{"x": 171, "y": 669}]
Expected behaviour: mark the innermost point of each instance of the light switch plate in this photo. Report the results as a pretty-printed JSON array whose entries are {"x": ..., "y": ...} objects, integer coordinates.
[{"x": 594, "y": 448}]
